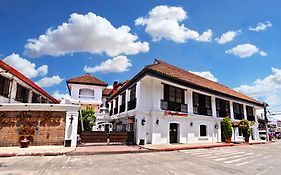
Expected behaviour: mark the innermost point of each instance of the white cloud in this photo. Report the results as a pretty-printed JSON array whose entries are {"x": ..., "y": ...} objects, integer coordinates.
[
  {"x": 86, "y": 33},
  {"x": 59, "y": 96},
  {"x": 25, "y": 67},
  {"x": 49, "y": 81},
  {"x": 261, "y": 26},
  {"x": 117, "y": 64},
  {"x": 227, "y": 37},
  {"x": 268, "y": 88},
  {"x": 206, "y": 74},
  {"x": 245, "y": 50},
  {"x": 164, "y": 22}
]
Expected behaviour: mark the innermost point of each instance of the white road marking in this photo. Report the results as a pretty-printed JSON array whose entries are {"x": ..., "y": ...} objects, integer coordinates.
[
  {"x": 235, "y": 156},
  {"x": 236, "y": 160}
]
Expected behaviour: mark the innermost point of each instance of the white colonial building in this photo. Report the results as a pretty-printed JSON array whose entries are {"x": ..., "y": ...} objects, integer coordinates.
[
  {"x": 17, "y": 88},
  {"x": 89, "y": 91},
  {"x": 164, "y": 104}
]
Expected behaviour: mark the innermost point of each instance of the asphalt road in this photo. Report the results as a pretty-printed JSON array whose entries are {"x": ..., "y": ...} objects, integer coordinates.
[{"x": 254, "y": 159}]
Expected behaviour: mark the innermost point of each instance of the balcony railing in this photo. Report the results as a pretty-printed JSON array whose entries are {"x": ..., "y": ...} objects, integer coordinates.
[
  {"x": 202, "y": 111},
  {"x": 122, "y": 108},
  {"x": 173, "y": 106},
  {"x": 87, "y": 96},
  {"x": 132, "y": 104},
  {"x": 223, "y": 114},
  {"x": 238, "y": 116},
  {"x": 251, "y": 118}
]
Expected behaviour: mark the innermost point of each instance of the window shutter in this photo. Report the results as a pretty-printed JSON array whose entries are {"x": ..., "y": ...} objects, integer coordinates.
[
  {"x": 6, "y": 88},
  {"x": 166, "y": 92}
]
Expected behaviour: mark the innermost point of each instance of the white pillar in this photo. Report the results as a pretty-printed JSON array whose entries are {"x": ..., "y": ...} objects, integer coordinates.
[
  {"x": 189, "y": 101},
  {"x": 245, "y": 111},
  {"x": 71, "y": 127},
  {"x": 213, "y": 105},
  {"x": 126, "y": 99},
  {"x": 231, "y": 110}
]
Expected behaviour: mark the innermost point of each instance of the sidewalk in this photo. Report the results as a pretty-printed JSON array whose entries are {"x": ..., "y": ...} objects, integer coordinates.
[
  {"x": 35, "y": 151},
  {"x": 112, "y": 149}
]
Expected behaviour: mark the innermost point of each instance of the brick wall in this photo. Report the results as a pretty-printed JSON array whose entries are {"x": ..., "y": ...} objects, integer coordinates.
[{"x": 40, "y": 127}]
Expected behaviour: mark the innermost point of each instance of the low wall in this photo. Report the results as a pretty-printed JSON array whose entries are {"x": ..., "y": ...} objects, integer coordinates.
[{"x": 40, "y": 127}]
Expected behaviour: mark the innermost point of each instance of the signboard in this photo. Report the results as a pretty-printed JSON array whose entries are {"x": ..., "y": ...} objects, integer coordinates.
[{"x": 171, "y": 113}]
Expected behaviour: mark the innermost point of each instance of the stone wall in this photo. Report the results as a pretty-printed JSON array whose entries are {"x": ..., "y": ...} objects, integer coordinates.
[{"x": 40, "y": 127}]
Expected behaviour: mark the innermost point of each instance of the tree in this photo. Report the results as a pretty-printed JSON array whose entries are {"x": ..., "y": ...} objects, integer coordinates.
[
  {"x": 88, "y": 118},
  {"x": 227, "y": 129}
]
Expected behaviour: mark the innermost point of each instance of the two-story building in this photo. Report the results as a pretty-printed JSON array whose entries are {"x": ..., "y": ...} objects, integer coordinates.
[
  {"x": 89, "y": 91},
  {"x": 17, "y": 88},
  {"x": 165, "y": 104}
]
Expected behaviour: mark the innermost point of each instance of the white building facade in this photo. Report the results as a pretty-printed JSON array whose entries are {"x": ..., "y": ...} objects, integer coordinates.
[
  {"x": 16, "y": 88},
  {"x": 162, "y": 109}
]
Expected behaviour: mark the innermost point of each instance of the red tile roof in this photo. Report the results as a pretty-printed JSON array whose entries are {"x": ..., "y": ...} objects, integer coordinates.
[
  {"x": 183, "y": 75},
  {"x": 174, "y": 73},
  {"x": 19, "y": 75},
  {"x": 87, "y": 79},
  {"x": 107, "y": 91}
]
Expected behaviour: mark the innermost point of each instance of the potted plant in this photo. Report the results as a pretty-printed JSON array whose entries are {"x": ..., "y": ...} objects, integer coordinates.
[
  {"x": 227, "y": 129},
  {"x": 246, "y": 130}
]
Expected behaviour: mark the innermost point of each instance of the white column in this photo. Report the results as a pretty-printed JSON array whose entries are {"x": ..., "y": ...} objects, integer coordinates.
[
  {"x": 126, "y": 99},
  {"x": 71, "y": 128},
  {"x": 231, "y": 110},
  {"x": 245, "y": 111},
  {"x": 138, "y": 95},
  {"x": 213, "y": 104},
  {"x": 189, "y": 101}
]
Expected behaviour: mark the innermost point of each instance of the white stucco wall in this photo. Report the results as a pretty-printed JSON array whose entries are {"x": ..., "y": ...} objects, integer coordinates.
[
  {"x": 74, "y": 94},
  {"x": 149, "y": 92}
]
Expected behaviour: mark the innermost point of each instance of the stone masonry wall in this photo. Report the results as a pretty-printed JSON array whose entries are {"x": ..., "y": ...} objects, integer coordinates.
[{"x": 40, "y": 127}]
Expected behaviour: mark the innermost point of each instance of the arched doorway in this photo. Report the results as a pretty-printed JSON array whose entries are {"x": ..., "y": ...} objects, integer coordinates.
[{"x": 173, "y": 132}]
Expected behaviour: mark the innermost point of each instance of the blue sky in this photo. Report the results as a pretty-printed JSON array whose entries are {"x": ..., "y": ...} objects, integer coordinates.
[{"x": 247, "y": 57}]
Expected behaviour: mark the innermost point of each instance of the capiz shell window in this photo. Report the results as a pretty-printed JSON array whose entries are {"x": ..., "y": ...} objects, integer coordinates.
[{"x": 86, "y": 93}]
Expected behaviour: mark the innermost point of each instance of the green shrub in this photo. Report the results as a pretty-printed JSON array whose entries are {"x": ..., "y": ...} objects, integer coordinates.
[
  {"x": 88, "y": 118},
  {"x": 227, "y": 128}
]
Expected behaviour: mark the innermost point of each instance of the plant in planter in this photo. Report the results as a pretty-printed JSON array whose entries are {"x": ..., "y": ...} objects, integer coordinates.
[
  {"x": 227, "y": 129},
  {"x": 246, "y": 130}
]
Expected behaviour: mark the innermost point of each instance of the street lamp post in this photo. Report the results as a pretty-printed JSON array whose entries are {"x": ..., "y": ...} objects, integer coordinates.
[{"x": 265, "y": 119}]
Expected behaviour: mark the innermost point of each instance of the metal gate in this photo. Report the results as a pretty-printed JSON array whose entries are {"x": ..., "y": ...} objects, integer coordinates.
[{"x": 113, "y": 137}]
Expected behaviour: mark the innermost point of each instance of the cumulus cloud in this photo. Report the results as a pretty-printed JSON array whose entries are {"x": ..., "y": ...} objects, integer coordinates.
[
  {"x": 227, "y": 37},
  {"x": 206, "y": 74},
  {"x": 117, "y": 64},
  {"x": 165, "y": 22},
  {"x": 59, "y": 96},
  {"x": 245, "y": 50},
  {"x": 25, "y": 67},
  {"x": 86, "y": 33},
  {"x": 49, "y": 81},
  {"x": 268, "y": 88},
  {"x": 261, "y": 26}
]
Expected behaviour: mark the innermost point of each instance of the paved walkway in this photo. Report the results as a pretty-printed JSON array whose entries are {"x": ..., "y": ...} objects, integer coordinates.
[{"x": 35, "y": 151}]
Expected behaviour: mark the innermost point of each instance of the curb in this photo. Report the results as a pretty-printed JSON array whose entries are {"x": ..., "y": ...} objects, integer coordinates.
[
  {"x": 189, "y": 147},
  {"x": 142, "y": 150},
  {"x": 107, "y": 152}
]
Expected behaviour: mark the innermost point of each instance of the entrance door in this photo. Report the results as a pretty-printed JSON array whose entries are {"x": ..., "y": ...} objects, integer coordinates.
[{"x": 173, "y": 133}]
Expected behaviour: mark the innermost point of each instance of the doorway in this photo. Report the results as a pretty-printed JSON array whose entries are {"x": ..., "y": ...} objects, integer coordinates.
[{"x": 174, "y": 133}]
